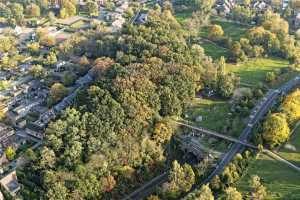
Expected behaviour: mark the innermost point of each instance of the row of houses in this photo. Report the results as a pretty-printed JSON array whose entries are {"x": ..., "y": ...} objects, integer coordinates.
[
  {"x": 59, "y": 3},
  {"x": 226, "y": 6}
]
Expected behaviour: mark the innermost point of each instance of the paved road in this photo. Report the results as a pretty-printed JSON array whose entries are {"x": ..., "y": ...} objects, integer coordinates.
[
  {"x": 148, "y": 188},
  {"x": 257, "y": 113}
]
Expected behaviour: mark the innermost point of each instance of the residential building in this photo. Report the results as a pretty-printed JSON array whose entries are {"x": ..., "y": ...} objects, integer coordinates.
[
  {"x": 10, "y": 183},
  {"x": 7, "y": 136}
]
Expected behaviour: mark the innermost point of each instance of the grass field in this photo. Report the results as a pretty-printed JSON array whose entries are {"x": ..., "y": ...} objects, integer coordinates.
[
  {"x": 213, "y": 50},
  {"x": 255, "y": 70},
  {"x": 291, "y": 151},
  {"x": 282, "y": 182},
  {"x": 233, "y": 30},
  {"x": 183, "y": 16},
  {"x": 214, "y": 113}
]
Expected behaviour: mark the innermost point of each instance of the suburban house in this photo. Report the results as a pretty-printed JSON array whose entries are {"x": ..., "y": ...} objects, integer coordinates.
[
  {"x": 10, "y": 183},
  {"x": 297, "y": 21},
  {"x": 7, "y": 136}
]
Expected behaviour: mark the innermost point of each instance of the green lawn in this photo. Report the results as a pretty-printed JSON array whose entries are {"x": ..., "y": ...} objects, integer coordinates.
[
  {"x": 233, "y": 30},
  {"x": 291, "y": 151},
  {"x": 282, "y": 182},
  {"x": 183, "y": 16},
  {"x": 213, "y": 50},
  {"x": 254, "y": 70},
  {"x": 214, "y": 113}
]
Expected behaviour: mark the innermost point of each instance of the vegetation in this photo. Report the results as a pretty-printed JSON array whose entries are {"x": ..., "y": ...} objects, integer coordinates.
[
  {"x": 10, "y": 153},
  {"x": 284, "y": 184},
  {"x": 276, "y": 129},
  {"x": 254, "y": 71},
  {"x": 114, "y": 138}
]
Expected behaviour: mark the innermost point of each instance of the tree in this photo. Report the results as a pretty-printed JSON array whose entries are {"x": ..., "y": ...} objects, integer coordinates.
[
  {"x": 274, "y": 23},
  {"x": 51, "y": 59},
  {"x": 204, "y": 193},
  {"x": 153, "y": 197},
  {"x": 34, "y": 47},
  {"x": 237, "y": 53},
  {"x": 93, "y": 9},
  {"x": 48, "y": 41},
  {"x": 84, "y": 61},
  {"x": 69, "y": 79},
  {"x": 47, "y": 159},
  {"x": 17, "y": 12},
  {"x": 232, "y": 194},
  {"x": 276, "y": 129},
  {"x": 57, "y": 192},
  {"x": 291, "y": 107},
  {"x": 162, "y": 132},
  {"x": 170, "y": 104},
  {"x": 216, "y": 183},
  {"x": 270, "y": 76},
  {"x": 10, "y": 153},
  {"x": 63, "y": 13},
  {"x": 182, "y": 177},
  {"x": 51, "y": 17},
  {"x": 258, "y": 191},
  {"x": 108, "y": 183},
  {"x": 37, "y": 71},
  {"x": 33, "y": 10},
  {"x": 7, "y": 44},
  {"x": 246, "y": 2},
  {"x": 68, "y": 9},
  {"x": 57, "y": 92},
  {"x": 215, "y": 32}
]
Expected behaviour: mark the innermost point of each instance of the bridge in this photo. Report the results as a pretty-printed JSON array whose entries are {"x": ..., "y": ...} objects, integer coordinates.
[{"x": 239, "y": 144}]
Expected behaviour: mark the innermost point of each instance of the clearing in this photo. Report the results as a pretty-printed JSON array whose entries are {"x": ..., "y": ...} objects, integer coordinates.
[
  {"x": 213, "y": 50},
  {"x": 231, "y": 29},
  {"x": 254, "y": 71},
  {"x": 213, "y": 112}
]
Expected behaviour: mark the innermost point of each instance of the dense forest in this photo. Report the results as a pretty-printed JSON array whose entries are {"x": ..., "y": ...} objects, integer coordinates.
[{"x": 114, "y": 136}]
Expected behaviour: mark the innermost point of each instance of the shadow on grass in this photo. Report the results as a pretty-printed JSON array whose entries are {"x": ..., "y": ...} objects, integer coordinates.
[{"x": 281, "y": 181}]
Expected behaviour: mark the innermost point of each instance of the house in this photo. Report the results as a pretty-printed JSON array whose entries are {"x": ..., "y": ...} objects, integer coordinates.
[
  {"x": 225, "y": 6},
  {"x": 118, "y": 23},
  {"x": 284, "y": 4},
  {"x": 142, "y": 18},
  {"x": 297, "y": 21},
  {"x": 260, "y": 6},
  {"x": 35, "y": 131},
  {"x": 17, "y": 114},
  {"x": 10, "y": 183},
  {"x": 7, "y": 136}
]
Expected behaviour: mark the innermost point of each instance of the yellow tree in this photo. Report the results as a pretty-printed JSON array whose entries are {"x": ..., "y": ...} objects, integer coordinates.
[
  {"x": 276, "y": 129},
  {"x": 291, "y": 107}
]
